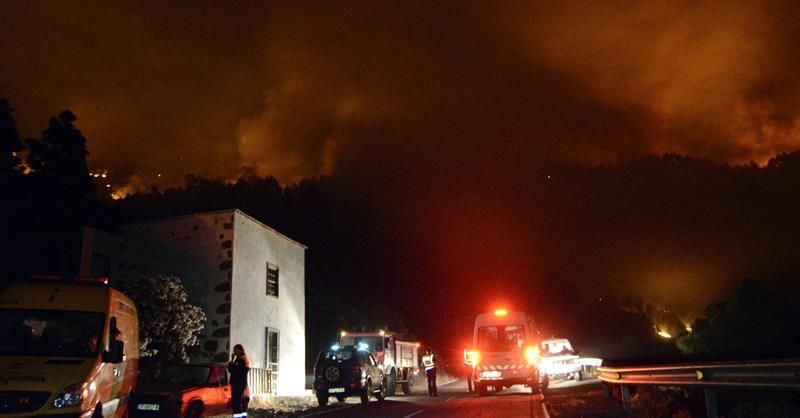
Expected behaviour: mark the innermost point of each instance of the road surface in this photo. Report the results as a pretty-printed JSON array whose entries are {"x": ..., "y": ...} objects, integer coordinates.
[{"x": 453, "y": 402}]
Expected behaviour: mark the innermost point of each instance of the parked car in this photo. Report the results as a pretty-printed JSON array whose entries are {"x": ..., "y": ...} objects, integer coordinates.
[
  {"x": 561, "y": 362},
  {"x": 189, "y": 391},
  {"x": 347, "y": 371}
]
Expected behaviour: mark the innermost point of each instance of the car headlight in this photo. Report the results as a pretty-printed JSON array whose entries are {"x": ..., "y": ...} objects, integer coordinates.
[{"x": 70, "y": 397}]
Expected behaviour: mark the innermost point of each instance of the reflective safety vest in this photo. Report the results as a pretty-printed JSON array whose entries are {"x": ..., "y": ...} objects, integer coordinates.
[{"x": 427, "y": 361}]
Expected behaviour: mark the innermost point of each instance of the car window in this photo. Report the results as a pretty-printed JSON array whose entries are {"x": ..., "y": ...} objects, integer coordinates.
[
  {"x": 215, "y": 378},
  {"x": 184, "y": 375},
  {"x": 50, "y": 333},
  {"x": 501, "y": 337},
  {"x": 335, "y": 355},
  {"x": 371, "y": 343}
]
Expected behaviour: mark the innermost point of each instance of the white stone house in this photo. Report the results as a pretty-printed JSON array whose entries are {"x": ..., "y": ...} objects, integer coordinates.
[{"x": 248, "y": 278}]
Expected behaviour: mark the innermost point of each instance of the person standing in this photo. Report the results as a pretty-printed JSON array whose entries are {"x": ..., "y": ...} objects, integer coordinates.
[
  {"x": 469, "y": 360},
  {"x": 430, "y": 372},
  {"x": 237, "y": 369}
]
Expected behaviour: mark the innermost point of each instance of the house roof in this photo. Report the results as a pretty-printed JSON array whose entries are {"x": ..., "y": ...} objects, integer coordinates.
[{"x": 219, "y": 212}]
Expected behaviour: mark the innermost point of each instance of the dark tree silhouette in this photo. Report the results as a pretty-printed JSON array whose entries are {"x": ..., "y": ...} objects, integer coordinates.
[
  {"x": 61, "y": 153},
  {"x": 750, "y": 323},
  {"x": 10, "y": 144},
  {"x": 43, "y": 212}
]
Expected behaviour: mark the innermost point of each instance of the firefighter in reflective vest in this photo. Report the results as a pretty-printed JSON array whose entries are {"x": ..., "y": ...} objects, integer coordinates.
[
  {"x": 469, "y": 359},
  {"x": 430, "y": 372}
]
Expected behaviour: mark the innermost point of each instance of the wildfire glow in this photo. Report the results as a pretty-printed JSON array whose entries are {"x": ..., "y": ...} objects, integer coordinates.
[{"x": 664, "y": 334}]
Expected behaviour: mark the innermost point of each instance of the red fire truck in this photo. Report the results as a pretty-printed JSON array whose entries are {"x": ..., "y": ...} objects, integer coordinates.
[{"x": 396, "y": 355}]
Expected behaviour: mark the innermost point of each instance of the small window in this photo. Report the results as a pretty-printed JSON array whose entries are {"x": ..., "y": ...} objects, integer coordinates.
[
  {"x": 272, "y": 351},
  {"x": 272, "y": 280}
]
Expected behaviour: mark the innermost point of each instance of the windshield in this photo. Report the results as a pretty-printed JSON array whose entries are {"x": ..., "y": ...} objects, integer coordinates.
[
  {"x": 557, "y": 348},
  {"x": 375, "y": 343},
  {"x": 336, "y": 355},
  {"x": 184, "y": 375},
  {"x": 50, "y": 333},
  {"x": 501, "y": 338}
]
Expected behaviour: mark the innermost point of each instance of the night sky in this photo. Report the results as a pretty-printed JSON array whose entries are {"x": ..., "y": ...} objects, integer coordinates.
[{"x": 433, "y": 112}]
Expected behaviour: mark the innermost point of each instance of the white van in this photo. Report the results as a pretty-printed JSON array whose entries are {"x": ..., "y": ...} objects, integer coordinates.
[
  {"x": 505, "y": 351},
  {"x": 67, "y": 349}
]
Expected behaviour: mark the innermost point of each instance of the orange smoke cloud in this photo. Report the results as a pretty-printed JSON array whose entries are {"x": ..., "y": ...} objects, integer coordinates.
[{"x": 694, "y": 66}]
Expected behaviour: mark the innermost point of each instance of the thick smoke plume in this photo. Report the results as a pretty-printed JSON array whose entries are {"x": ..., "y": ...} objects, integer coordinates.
[{"x": 437, "y": 116}]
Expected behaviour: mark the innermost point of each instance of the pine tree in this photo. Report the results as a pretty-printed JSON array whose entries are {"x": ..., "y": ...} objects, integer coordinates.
[
  {"x": 10, "y": 145},
  {"x": 61, "y": 153}
]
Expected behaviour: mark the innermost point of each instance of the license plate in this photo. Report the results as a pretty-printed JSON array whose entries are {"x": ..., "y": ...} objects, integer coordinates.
[
  {"x": 336, "y": 390},
  {"x": 148, "y": 407}
]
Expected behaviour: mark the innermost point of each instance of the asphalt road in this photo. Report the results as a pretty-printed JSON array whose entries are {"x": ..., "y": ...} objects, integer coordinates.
[{"x": 453, "y": 401}]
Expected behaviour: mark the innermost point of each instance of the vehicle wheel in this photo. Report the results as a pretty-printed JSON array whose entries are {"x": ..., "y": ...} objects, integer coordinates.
[
  {"x": 407, "y": 385},
  {"x": 579, "y": 376},
  {"x": 322, "y": 400},
  {"x": 341, "y": 398},
  {"x": 366, "y": 393},
  {"x": 482, "y": 389},
  {"x": 536, "y": 387},
  {"x": 391, "y": 383},
  {"x": 544, "y": 383},
  {"x": 195, "y": 410},
  {"x": 381, "y": 393}
]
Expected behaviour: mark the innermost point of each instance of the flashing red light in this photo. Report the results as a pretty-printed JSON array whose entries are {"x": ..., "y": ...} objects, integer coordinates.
[
  {"x": 500, "y": 312},
  {"x": 532, "y": 354}
]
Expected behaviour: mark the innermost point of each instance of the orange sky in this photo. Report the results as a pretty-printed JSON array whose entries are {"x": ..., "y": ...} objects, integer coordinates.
[{"x": 297, "y": 89}]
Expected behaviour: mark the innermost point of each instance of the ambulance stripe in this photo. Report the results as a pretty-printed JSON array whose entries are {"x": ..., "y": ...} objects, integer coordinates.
[{"x": 505, "y": 367}]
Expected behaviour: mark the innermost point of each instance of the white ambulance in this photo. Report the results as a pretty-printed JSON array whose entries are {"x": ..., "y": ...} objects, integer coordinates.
[
  {"x": 68, "y": 348},
  {"x": 505, "y": 351}
]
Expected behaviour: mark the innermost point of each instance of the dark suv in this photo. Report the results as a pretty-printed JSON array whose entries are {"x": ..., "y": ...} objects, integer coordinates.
[{"x": 347, "y": 371}]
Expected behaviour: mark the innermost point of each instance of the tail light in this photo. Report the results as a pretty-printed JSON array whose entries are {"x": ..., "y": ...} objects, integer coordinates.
[{"x": 532, "y": 354}]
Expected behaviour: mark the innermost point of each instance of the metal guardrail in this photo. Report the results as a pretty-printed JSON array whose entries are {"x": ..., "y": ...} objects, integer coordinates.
[{"x": 778, "y": 374}]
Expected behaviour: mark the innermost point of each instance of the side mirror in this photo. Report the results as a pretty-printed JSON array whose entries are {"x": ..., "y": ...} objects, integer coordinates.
[{"x": 115, "y": 352}]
